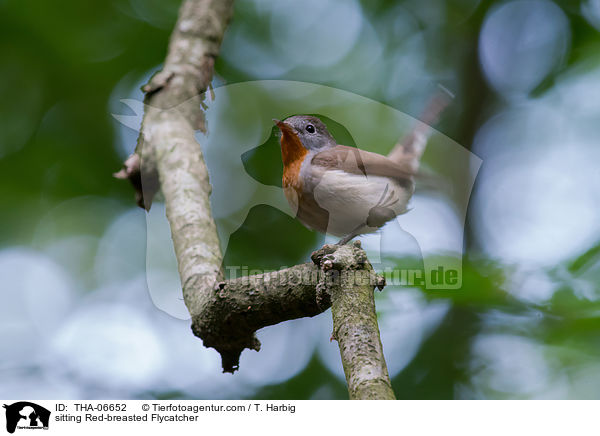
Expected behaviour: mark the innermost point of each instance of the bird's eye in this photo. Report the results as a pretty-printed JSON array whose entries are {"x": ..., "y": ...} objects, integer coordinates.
[{"x": 310, "y": 128}]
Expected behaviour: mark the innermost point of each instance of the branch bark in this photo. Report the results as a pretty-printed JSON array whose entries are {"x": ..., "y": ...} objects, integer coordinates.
[
  {"x": 236, "y": 309},
  {"x": 225, "y": 314},
  {"x": 349, "y": 279}
]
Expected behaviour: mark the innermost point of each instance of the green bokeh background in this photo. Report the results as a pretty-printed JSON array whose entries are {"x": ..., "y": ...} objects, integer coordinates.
[{"x": 65, "y": 66}]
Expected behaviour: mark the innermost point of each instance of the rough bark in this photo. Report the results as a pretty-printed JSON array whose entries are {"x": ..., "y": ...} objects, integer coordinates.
[
  {"x": 168, "y": 157},
  {"x": 349, "y": 279},
  {"x": 237, "y": 308}
]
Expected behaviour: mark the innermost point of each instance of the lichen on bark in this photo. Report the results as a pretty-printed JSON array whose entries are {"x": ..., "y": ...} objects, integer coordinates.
[{"x": 351, "y": 280}]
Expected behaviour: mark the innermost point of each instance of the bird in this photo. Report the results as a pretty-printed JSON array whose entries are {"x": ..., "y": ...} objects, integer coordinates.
[
  {"x": 337, "y": 189},
  {"x": 346, "y": 191}
]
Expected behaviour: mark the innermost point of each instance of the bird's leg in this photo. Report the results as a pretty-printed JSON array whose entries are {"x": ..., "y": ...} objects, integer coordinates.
[
  {"x": 345, "y": 239},
  {"x": 353, "y": 234}
]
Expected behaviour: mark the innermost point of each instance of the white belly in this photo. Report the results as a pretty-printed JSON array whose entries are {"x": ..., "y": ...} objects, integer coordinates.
[{"x": 349, "y": 198}]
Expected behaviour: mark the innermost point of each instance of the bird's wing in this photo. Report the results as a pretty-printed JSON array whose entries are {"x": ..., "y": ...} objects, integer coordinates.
[{"x": 355, "y": 161}]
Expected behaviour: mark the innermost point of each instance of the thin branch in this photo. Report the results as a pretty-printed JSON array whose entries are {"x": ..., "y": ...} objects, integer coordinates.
[{"x": 350, "y": 280}]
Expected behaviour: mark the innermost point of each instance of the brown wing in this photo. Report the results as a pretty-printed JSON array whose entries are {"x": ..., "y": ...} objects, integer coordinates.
[{"x": 356, "y": 161}]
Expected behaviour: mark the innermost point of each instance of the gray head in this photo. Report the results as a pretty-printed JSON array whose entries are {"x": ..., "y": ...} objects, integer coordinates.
[{"x": 312, "y": 131}]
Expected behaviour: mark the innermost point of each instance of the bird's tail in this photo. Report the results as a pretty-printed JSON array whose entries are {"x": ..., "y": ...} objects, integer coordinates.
[{"x": 408, "y": 151}]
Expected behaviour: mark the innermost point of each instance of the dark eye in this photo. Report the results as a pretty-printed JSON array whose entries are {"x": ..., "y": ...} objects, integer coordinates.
[{"x": 310, "y": 128}]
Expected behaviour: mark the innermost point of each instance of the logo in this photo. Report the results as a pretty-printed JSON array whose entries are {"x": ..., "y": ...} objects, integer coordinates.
[{"x": 26, "y": 415}]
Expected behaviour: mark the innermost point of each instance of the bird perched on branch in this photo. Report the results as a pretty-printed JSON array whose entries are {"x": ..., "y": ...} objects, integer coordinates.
[{"x": 345, "y": 191}]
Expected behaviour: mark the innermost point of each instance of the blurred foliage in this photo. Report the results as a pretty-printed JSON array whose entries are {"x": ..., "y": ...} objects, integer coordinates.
[{"x": 59, "y": 145}]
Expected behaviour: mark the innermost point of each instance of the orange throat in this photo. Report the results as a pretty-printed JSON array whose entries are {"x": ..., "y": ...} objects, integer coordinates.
[{"x": 292, "y": 155}]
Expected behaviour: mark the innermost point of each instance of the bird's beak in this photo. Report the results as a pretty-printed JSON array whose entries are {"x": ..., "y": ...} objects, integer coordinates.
[{"x": 283, "y": 126}]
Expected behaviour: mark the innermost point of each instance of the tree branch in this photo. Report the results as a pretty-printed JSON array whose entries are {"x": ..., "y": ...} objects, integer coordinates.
[
  {"x": 225, "y": 314},
  {"x": 237, "y": 308},
  {"x": 350, "y": 280}
]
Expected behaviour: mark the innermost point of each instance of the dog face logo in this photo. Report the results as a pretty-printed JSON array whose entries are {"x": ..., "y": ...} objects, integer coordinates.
[{"x": 26, "y": 415}]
